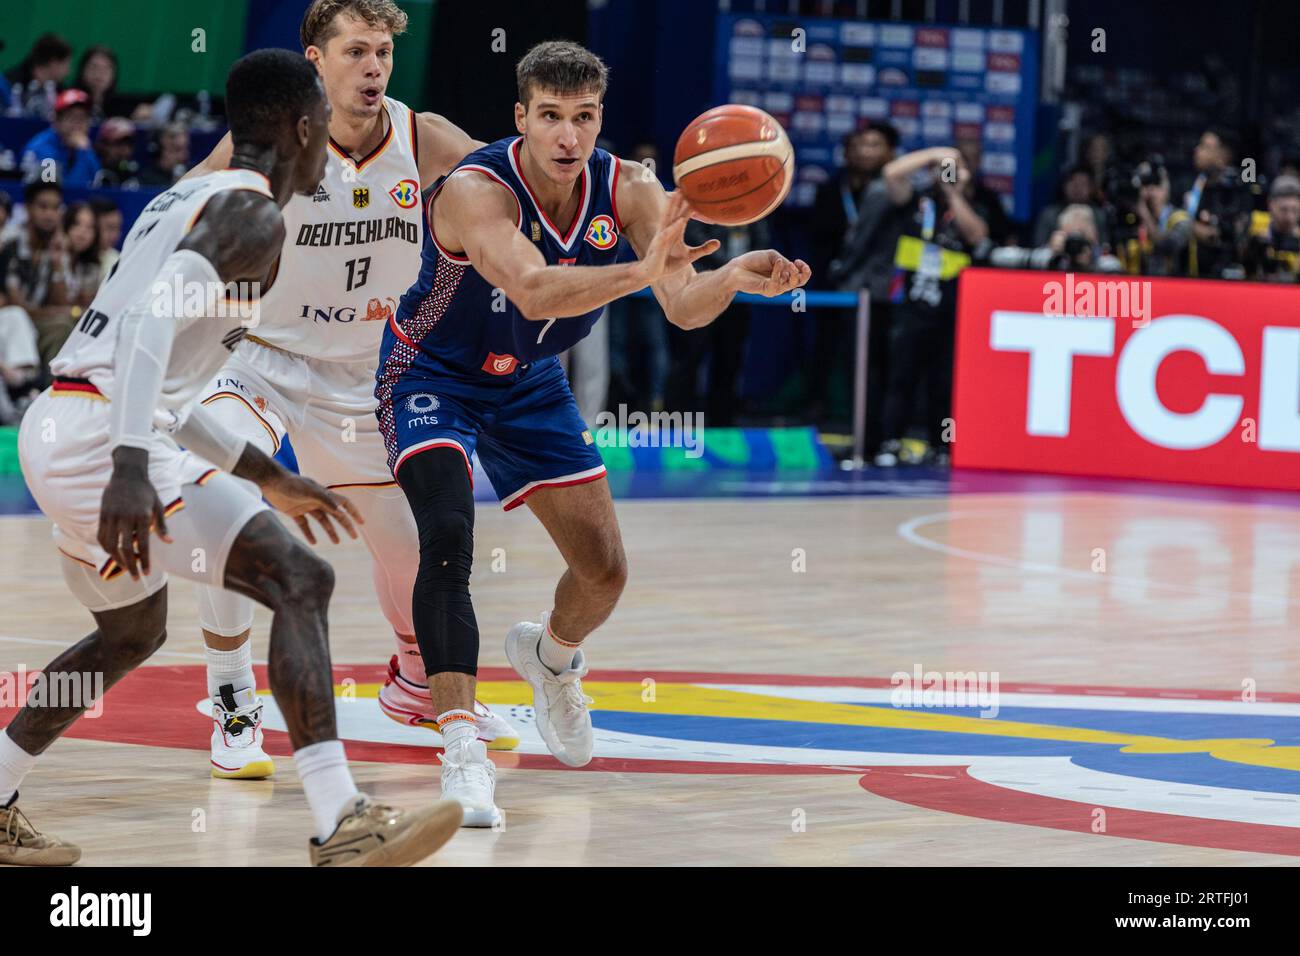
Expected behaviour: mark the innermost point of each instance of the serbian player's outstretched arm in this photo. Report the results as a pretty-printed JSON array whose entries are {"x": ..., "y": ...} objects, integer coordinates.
[
  {"x": 237, "y": 237},
  {"x": 475, "y": 214},
  {"x": 693, "y": 299}
]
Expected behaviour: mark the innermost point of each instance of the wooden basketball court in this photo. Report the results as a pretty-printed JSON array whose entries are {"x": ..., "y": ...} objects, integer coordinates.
[{"x": 1145, "y": 707}]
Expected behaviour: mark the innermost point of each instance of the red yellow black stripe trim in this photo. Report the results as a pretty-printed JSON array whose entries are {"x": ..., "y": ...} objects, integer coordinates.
[
  {"x": 275, "y": 439},
  {"x": 75, "y": 386},
  {"x": 174, "y": 507},
  {"x": 374, "y": 154},
  {"x": 73, "y": 557},
  {"x": 415, "y": 143},
  {"x": 206, "y": 476}
]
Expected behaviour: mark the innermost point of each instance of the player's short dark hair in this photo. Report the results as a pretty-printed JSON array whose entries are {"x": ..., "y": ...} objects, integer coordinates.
[
  {"x": 265, "y": 91},
  {"x": 887, "y": 131},
  {"x": 37, "y": 186},
  {"x": 560, "y": 66},
  {"x": 318, "y": 23}
]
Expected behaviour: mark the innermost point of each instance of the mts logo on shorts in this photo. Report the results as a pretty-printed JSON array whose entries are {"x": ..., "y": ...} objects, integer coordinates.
[{"x": 500, "y": 364}]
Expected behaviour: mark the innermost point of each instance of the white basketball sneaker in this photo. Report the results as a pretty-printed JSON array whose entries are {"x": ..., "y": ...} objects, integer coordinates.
[
  {"x": 469, "y": 778},
  {"x": 410, "y": 704},
  {"x": 560, "y": 705},
  {"x": 237, "y": 752}
]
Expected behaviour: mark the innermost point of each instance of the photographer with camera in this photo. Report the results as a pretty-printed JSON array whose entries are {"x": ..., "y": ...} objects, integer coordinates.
[
  {"x": 1218, "y": 206},
  {"x": 1073, "y": 246},
  {"x": 1272, "y": 251},
  {"x": 1144, "y": 219},
  {"x": 941, "y": 229}
]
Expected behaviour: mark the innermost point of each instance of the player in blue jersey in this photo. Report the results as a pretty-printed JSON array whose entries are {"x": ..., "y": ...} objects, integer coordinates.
[{"x": 519, "y": 262}]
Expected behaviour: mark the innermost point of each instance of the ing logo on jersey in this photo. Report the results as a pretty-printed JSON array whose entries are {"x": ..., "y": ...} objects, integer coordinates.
[
  {"x": 406, "y": 193},
  {"x": 601, "y": 232},
  {"x": 361, "y": 197}
]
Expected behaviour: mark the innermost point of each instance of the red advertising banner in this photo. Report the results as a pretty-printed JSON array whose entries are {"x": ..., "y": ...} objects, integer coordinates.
[{"x": 1128, "y": 377}]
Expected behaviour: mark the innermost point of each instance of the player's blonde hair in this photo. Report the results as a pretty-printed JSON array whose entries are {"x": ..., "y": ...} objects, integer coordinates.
[
  {"x": 319, "y": 25},
  {"x": 562, "y": 67}
]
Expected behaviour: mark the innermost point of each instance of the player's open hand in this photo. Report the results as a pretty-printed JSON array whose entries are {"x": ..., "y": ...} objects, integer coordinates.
[
  {"x": 129, "y": 511},
  {"x": 767, "y": 272},
  {"x": 301, "y": 498},
  {"x": 668, "y": 251}
]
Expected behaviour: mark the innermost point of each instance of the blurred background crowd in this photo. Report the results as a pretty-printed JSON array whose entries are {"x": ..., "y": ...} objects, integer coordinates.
[{"x": 1198, "y": 193}]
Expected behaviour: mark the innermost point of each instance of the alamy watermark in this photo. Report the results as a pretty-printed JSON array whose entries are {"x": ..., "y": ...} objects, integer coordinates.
[
  {"x": 207, "y": 300},
  {"x": 1128, "y": 299},
  {"x": 43, "y": 689},
  {"x": 626, "y": 429},
  {"x": 922, "y": 688}
]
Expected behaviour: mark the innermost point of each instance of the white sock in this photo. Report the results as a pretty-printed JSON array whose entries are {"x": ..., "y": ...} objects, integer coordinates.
[
  {"x": 327, "y": 782},
  {"x": 555, "y": 654},
  {"x": 230, "y": 667},
  {"x": 459, "y": 728},
  {"x": 14, "y": 764},
  {"x": 410, "y": 664}
]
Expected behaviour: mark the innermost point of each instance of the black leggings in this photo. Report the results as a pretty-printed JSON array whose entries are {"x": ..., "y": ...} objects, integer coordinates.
[
  {"x": 438, "y": 488},
  {"x": 920, "y": 372}
]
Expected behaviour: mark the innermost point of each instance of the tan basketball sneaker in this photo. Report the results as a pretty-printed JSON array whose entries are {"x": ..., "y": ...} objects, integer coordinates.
[
  {"x": 21, "y": 844},
  {"x": 372, "y": 834}
]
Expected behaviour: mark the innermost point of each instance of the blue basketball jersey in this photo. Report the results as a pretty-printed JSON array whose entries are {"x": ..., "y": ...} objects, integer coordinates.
[{"x": 452, "y": 319}]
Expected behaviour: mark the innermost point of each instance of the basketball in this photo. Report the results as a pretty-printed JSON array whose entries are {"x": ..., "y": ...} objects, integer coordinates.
[{"x": 734, "y": 164}]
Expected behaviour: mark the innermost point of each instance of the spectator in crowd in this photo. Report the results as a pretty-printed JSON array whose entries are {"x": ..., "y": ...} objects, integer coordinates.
[
  {"x": 722, "y": 343},
  {"x": 1144, "y": 217},
  {"x": 19, "y": 359},
  {"x": 6, "y": 214},
  {"x": 846, "y": 213},
  {"x": 66, "y": 143},
  {"x": 941, "y": 232},
  {"x": 84, "y": 269},
  {"x": 1218, "y": 206},
  {"x": 115, "y": 147},
  {"x": 1078, "y": 185},
  {"x": 866, "y": 261},
  {"x": 1074, "y": 246},
  {"x": 97, "y": 75},
  {"x": 108, "y": 232},
  {"x": 36, "y": 79},
  {"x": 1096, "y": 155},
  {"x": 638, "y": 332},
  {"x": 980, "y": 196},
  {"x": 1272, "y": 250},
  {"x": 173, "y": 157},
  {"x": 35, "y": 265}
]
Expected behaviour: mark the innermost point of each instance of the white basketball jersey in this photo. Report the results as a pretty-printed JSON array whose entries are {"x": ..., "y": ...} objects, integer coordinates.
[
  {"x": 350, "y": 251},
  {"x": 203, "y": 341}
]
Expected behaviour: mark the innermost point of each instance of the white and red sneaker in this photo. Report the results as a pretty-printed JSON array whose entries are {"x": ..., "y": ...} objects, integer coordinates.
[
  {"x": 237, "y": 752},
  {"x": 410, "y": 704}
]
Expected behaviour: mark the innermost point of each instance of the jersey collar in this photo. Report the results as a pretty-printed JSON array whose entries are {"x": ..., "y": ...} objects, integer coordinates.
[{"x": 565, "y": 241}]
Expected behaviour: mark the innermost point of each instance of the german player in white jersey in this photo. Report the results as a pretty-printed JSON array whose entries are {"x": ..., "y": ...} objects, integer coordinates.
[
  {"x": 100, "y": 450},
  {"x": 351, "y": 250}
]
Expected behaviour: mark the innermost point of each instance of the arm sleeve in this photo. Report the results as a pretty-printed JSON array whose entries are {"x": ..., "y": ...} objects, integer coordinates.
[
  {"x": 144, "y": 345},
  {"x": 204, "y": 435}
]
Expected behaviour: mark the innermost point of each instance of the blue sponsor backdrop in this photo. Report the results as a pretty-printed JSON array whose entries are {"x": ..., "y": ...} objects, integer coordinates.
[{"x": 935, "y": 84}]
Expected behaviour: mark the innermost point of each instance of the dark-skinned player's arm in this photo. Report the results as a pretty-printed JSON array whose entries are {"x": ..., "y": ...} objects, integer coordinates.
[
  {"x": 475, "y": 214},
  {"x": 219, "y": 158},
  {"x": 440, "y": 145},
  {"x": 236, "y": 238},
  {"x": 693, "y": 299}
]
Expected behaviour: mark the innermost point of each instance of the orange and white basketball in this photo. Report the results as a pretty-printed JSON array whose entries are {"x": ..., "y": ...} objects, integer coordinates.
[{"x": 734, "y": 164}]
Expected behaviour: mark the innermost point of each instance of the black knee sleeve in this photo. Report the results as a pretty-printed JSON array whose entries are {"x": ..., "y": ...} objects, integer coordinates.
[{"x": 437, "y": 486}]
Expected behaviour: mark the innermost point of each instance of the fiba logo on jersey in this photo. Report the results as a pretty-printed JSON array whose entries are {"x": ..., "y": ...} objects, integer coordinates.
[
  {"x": 420, "y": 405},
  {"x": 405, "y": 193},
  {"x": 601, "y": 232}
]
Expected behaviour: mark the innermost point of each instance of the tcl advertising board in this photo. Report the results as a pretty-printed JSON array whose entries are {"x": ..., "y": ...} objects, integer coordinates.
[{"x": 1168, "y": 379}]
